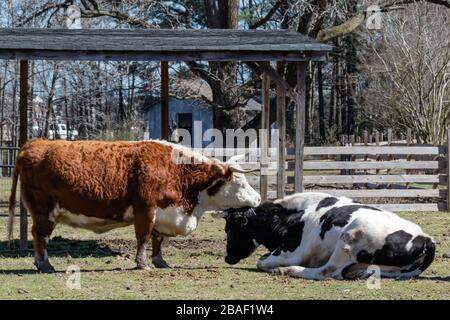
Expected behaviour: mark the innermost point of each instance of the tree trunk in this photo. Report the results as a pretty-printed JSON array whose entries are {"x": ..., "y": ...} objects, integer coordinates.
[
  {"x": 223, "y": 14},
  {"x": 351, "y": 60},
  {"x": 321, "y": 106},
  {"x": 333, "y": 94},
  {"x": 14, "y": 128},
  {"x": 121, "y": 114},
  {"x": 51, "y": 95}
]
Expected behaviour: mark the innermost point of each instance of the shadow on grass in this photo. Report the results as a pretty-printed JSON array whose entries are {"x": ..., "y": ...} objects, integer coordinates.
[
  {"x": 32, "y": 270},
  {"x": 435, "y": 278},
  {"x": 61, "y": 247},
  {"x": 430, "y": 278}
]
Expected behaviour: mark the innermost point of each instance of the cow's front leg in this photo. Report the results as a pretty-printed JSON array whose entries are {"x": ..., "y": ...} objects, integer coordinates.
[
  {"x": 144, "y": 220},
  {"x": 341, "y": 261},
  {"x": 157, "y": 259},
  {"x": 275, "y": 259}
]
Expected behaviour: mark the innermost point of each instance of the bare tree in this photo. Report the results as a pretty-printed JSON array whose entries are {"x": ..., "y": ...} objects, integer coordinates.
[{"x": 411, "y": 73}]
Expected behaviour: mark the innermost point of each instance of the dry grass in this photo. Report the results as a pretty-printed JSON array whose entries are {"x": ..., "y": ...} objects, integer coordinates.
[{"x": 106, "y": 263}]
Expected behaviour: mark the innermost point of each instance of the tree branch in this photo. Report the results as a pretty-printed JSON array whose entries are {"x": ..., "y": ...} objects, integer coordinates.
[
  {"x": 268, "y": 16},
  {"x": 354, "y": 22},
  {"x": 119, "y": 16},
  {"x": 49, "y": 6},
  {"x": 342, "y": 29}
]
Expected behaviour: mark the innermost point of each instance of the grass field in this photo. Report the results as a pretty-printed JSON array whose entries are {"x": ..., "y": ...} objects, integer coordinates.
[{"x": 198, "y": 272}]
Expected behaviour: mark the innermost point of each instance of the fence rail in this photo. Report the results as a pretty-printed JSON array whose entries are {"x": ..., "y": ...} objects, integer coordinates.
[
  {"x": 367, "y": 171},
  {"x": 402, "y": 173},
  {"x": 375, "y": 150}
]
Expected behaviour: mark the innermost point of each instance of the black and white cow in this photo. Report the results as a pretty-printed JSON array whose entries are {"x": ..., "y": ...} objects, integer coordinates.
[{"x": 316, "y": 236}]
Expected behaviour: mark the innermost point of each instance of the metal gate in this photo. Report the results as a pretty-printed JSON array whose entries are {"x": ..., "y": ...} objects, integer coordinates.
[{"x": 7, "y": 160}]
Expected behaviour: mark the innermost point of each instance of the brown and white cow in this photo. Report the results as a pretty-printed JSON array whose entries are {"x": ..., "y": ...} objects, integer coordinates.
[{"x": 105, "y": 185}]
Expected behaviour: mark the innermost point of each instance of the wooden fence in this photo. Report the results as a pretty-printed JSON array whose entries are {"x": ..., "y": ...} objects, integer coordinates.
[
  {"x": 388, "y": 137},
  {"x": 397, "y": 178}
]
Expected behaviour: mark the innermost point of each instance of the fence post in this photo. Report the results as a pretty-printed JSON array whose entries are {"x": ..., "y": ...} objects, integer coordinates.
[
  {"x": 281, "y": 122},
  {"x": 448, "y": 169},
  {"x": 263, "y": 182},
  {"x": 23, "y": 103},
  {"x": 390, "y": 157},
  {"x": 389, "y": 137},
  {"x": 165, "y": 100},
  {"x": 300, "y": 125}
]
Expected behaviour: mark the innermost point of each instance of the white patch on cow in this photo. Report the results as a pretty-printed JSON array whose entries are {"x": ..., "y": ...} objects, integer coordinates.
[
  {"x": 173, "y": 221},
  {"x": 187, "y": 153},
  {"x": 233, "y": 194},
  {"x": 98, "y": 225}
]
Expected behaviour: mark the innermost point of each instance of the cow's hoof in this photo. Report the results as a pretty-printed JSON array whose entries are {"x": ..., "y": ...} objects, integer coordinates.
[
  {"x": 160, "y": 263},
  {"x": 44, "y": 267},
  {"x": 143, "y": 267},
  {"x": 280, "y": 271}
]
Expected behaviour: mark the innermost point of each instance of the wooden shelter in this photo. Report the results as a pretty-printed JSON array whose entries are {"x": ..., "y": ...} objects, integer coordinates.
[{"x": 258, "y": 47}]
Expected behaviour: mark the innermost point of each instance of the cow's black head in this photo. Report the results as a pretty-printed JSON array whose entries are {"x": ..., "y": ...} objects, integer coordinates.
[
  {"x": 267, "y": 224},
  {"x": 240, "y": 238}
]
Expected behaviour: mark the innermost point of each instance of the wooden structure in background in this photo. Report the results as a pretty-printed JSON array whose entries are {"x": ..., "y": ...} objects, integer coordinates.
[
  {"x": 23, "y": 136},
  {"x": 281, "y": 122},
  {"x": 264, "y": 142},
  {"x": 164, "y": 100},
  {"x": 402, "y": 176},
  {"x": 173, "y": 45}
]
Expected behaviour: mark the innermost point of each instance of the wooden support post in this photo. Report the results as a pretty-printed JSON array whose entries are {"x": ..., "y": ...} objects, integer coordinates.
[
  {"x": 409, "y": 157},
  {"x": 300, "y": 125},
  {"x": 165, "y": 100},
  {"x": 23, "y": 137},
  {"x": 264, "y": 136},
  {"x": 281, "y": 124},
  {"x": 365, "y": 141},
  {"x": 448, "y": 169},
  {"x": 377, "y": 143}
]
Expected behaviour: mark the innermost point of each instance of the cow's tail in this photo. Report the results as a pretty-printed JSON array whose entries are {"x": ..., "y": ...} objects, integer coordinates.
[{"x": 12, "y": 203}]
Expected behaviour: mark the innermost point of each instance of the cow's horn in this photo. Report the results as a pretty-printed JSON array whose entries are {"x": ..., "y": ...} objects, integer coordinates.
[
  {"x": 236, "y": 158},
  {"x": 240, "y": 170}
]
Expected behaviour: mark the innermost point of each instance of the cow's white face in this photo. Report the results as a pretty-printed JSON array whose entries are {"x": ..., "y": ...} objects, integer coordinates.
[
  {"x": 231, "y": 193},
  {"x": 235, "y": 193}
]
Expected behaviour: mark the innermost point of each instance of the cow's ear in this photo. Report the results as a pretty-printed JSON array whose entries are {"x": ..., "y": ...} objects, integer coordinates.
[
  {"x": 219, "y": 169},
  {"x": 222, "y": 170}
]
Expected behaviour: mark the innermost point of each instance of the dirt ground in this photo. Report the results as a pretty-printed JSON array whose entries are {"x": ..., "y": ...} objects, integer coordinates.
[{"x": 198, "y": 271}]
